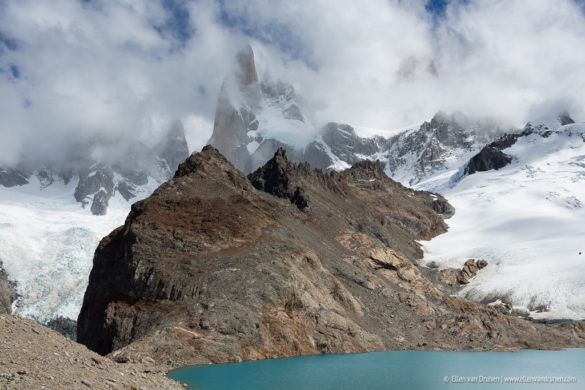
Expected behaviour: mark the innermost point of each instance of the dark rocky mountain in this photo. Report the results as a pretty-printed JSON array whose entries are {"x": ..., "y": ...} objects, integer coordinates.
[
  {"x": 487, "y": 159},
  {"x": 98, "y": 181},
  {"x": 216, "y": 267},
  {"x": 7, "y": 292}
]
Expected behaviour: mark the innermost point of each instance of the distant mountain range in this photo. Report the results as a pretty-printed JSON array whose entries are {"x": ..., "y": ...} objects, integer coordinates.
[{"x": 254, "y": 118}]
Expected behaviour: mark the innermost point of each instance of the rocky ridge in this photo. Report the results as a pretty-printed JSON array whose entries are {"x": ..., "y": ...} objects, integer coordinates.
[{"x": 217, "y": 267}]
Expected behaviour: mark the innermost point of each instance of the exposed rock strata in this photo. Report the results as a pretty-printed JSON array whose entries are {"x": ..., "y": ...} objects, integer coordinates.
[{"x": 211, "y": 269}]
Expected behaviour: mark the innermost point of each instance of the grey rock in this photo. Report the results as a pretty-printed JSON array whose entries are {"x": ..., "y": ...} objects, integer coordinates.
[
  {"x": 173, "y": 150},
  {"x": 10, "y": 177},
  {"x": 65, "y": 326},
  {"x": 46, "y": 177},
  {"x": 126, "y": 189},
  {"x": 7, "y": 292},
  {"x": 487, "y": 159},
  {"x": 279, "y": 178},
  {"x": 565, "y": 118},
  {"x": 99, "y": 204},
  {"x": 92, "y": 181}
]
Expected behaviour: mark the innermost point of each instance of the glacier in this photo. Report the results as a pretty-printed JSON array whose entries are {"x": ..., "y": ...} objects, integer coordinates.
[
  {"x": 526, "y": 220},
  {"x": 47, "y": 243}
]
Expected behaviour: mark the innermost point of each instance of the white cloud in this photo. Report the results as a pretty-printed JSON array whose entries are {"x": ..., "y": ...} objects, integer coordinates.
[{"x": 101, "y": 70}]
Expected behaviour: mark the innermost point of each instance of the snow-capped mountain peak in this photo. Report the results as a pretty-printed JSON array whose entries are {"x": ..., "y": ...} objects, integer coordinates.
[{"x": 253, "y": 118}]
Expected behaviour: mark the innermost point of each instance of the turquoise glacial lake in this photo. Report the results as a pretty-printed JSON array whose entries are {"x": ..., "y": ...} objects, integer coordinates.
[{"x": 399, "y": 370}]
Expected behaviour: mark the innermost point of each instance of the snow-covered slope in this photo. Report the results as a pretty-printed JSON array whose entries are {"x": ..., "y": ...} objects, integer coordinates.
[{"x": 527, "y": 220}]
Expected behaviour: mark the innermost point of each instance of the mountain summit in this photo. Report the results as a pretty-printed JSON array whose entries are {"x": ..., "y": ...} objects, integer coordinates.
[
  {"x": 254, "y": 118},
  {"x": 219, "y": 267}
]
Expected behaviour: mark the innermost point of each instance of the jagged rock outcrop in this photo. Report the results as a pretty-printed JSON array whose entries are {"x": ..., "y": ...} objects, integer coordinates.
[
  {"x": 565, "y": 118},
  {"x": 487, "y": 159},
  {"x": 457, "y": 277},
  {"x": 279, "y": 177},
  {"x": 416, "y": 154},
  {"x": 13, "y": 177},
  {"x": 337, "y": 146},
  {"x": 470, "y": 268},
  {"x": 95, "y": 185},
  {"x": 212, "y": 269},
  {"x": 7, "y": 292}
]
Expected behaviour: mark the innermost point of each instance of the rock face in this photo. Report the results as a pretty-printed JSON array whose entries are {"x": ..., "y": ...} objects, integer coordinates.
[
  {"x": 420, "y": 153},
  {"x": 172, "y": 151},
  {"x": 337, "y": 146},
  {"x": 218, "y": 267},
  {"x": 64, "y": 326},
  {"x": 280, "y": 177},
  {"x": 249, "y": 111},
  {"x": 13, "y": 177},
  {"x": 7, "y": 292},
  {"x": 487, "y": 159}
]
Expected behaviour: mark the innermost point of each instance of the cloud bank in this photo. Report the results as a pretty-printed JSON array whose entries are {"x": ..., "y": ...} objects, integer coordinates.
[{"x": 75, "y": 74}]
